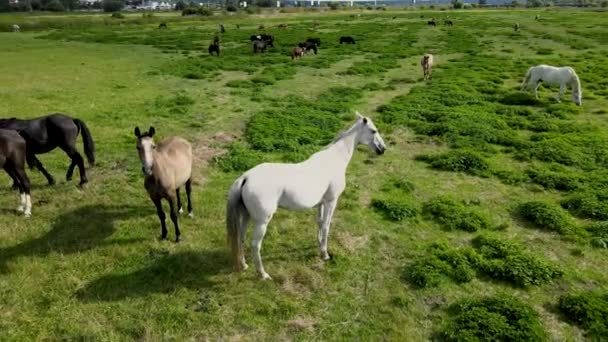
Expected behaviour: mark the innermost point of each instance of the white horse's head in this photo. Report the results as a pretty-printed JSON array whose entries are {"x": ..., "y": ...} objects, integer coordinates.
[
  {"x": 145, "y": 148},
  {"x": 368, "y": 134}
]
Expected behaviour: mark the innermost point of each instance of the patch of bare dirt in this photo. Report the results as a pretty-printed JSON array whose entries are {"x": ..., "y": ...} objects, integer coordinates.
[
  {"x": 302, "y": 323},
  {"x": 351, "y": 242},
  {"x": 205, "y": 149}
]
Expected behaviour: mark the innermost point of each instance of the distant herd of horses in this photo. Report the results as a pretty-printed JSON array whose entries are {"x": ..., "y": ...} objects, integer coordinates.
[{"x": 255, "y": 196}]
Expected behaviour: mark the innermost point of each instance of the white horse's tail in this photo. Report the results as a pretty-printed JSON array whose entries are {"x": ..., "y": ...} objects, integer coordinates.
[
  {"x": 237, "y": 218},
  {"x": 527, "y": 78}
]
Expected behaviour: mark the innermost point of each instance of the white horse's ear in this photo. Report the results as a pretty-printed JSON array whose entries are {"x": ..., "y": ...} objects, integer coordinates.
[{"x": 359, "y": 116}]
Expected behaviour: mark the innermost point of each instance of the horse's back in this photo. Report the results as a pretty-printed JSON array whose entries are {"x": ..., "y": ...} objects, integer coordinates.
[
  {"x": 177, "y": 152},
  {"x": 12, "y": 145}
]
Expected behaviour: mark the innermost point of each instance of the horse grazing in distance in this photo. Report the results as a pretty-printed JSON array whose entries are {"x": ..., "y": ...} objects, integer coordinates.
[
  {"x": 45, "y": 133},
  {"x": 448, "y": 22},
  {"x": 308, "y": 46},
  {"x": 12, "y": 160},
  {"x": 427, "y": 65},
  {"x": 347, "y": 40},
  {"x": 259, "y": 46},
  {"x": 167, "y": 167},
  {"x": 552, "y": 76},
  {"x": 316, "y": 182},
  {"x": 316, "y": 41},
  {"x": 516, "y": 27},
  {"x": 283, "y": 26},
  {"x": 16, "y": 28},
  {"x": 214, "y": 46},
  {"x": 431, "y": 23},
  {"x": 297, "y": 52},
  {"x": 162, "y": 25}
]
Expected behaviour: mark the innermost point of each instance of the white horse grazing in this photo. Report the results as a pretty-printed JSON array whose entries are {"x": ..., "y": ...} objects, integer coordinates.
[
  {"x": 550, "y": 75},
  {"x": 316, "y": 182},
  {"x": 427, "y": 65},
  {"x": 16, "y": 28}
]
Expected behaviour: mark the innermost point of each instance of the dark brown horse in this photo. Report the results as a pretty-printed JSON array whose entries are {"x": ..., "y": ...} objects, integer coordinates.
[
  {"x": 46, "y": 133},
  {"x": 12, "y": 160}
]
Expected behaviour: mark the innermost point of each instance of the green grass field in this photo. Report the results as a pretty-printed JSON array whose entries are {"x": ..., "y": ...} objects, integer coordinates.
[{"x": 488, "y": 209}]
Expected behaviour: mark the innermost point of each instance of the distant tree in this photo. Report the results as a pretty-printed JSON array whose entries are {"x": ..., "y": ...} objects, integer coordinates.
[
  {"x": 457, "y": 4},
  {"x": 264, "y": 3},
  {"x": 5, "y": 6},
  {"x": 113, "y": 5},
  {"x": 180, "y": 5},
  {"x": 54, "y": 6},
  {"x": 482, "y": 2},
  {"x": 515, "y": 3},
  {"x": 604, "y": 4},
  {"x": 534, "y": 3}
]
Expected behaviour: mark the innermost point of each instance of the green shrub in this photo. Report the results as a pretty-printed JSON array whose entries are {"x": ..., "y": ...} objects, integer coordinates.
[
  {"x": 54, "y": 6},
  {"x": 399, "y": 184},
  {"x": 452, "y": 215},
  {"x": 599, "y": 234},
  {"x": 458, "y": 161},
  {"x": 546, "y": 216},
  {"x": 506, "y": 261},
  {"x": 443, "y": 263},
  {"x": 395, "y": 209},
  {"x": 500, "y": 318},
  {"x": 588, "y": 205},
  {"x": 559, "y": 180},
  {"x": 117, "y": 15},
  {"x": 239, "y": 158},
  {"x": 589, "y": 310}
]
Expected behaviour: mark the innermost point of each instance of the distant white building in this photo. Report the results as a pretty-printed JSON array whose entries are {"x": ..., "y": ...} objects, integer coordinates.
[{"x": 156, "y": 5}]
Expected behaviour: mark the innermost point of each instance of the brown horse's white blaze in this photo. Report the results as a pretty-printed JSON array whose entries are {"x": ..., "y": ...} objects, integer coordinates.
[
  {"x": 427, "y": 65},
  {"x": 167, "y": 167}
]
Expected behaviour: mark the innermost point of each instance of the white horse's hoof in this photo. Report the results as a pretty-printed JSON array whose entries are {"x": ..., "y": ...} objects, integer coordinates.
[
  {"x": 20, "y": 209},
  {"x": 191, "y": 215},
  {"x": 27, "y": 214},
  {"x": 265, "y": 276},
  {"x": 181, "y": 210}
]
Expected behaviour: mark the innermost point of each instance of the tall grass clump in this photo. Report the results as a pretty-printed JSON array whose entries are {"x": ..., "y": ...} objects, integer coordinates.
[
  {"x": 238, "y": 158},
  {"x": 395, "y": 208},
  {"x": 452, "y": 215},
  {"x": 458, "y": 161},
  {"x": 499, "y": 318},
  {"x": 442, "y": 263},
  {"x": 598, "y": 232},
  {"x": 506, "y": 261},
  {"x": 592, "y": 205},
  {"x": 588, "y": 310},
  {"x": 545, "y": 215}
]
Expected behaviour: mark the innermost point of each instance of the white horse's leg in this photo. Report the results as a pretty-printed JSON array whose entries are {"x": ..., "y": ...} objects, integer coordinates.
[
  {"x": 320, "y": 222},
  {"x": 21, "y": 207},
  {"x": 328, "y": 213},
  {"x": 259, "y": 230},
  {"x": 562, "y": 90},
  {"x": 243, "y": 233},
  {"x": 536, "y": 89}
]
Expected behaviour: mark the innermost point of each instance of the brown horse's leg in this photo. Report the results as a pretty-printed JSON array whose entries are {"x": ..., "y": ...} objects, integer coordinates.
[
  {"x": 161, "y": 217},
  {"x": 188, "y": 192},
  {"x": 179, "y": 201},
  {"x": 173, "y": 209}
]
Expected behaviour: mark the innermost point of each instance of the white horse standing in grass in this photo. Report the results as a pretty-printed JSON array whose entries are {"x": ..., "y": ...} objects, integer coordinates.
[
  {"x": 552, "y": 76},
  {"x": 316, "y": 182}
]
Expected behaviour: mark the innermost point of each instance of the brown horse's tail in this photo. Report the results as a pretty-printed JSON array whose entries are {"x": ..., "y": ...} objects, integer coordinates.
[
  {"x": 237, "y": 218},
  {"x": 89, "y": 145}
]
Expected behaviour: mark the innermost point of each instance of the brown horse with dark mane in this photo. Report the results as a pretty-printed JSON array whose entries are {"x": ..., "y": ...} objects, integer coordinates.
[{"x": 12, "y": 160}]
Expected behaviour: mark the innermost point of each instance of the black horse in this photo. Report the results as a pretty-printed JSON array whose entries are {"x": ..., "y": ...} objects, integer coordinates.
[
  {"x": 12, "y": 160},
  {"x": 308, "y": 46},
  {"x": 347, "y": 40},
  {"x": 214, "y": 47},
  {"x": 162, "y": 26},
  {"x": 259, "y": 46},
  {"x": 316, "y": 41},
  {"x": 448, "y": 22},
  {"x": 431, "y": 23},
  {"x": 44, "y": 134}
]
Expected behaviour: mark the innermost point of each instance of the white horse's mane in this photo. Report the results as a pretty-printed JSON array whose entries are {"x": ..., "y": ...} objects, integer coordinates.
[{"x": 345, "y": 133}]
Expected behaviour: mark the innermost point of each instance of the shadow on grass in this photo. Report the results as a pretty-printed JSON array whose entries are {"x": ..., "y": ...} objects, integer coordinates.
[
  {"x": 166, "y": 274},
  {"x": 75, "y": 231}
]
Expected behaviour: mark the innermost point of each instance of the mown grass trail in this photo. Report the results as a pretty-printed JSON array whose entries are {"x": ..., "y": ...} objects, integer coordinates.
[{"x": 483, "y": 191}]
